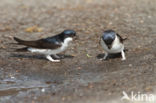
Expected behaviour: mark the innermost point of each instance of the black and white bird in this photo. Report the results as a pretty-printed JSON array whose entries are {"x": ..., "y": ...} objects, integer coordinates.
[
  {"x": 112, "y": 43},
  {"x": 49, "y": 46}
]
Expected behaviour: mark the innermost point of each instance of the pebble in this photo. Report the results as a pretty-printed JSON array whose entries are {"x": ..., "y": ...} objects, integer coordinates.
[
  {"x": 130, "y": 65},
  {"x": 12, "y": 77},
  {"x": 42, "y": 90}
]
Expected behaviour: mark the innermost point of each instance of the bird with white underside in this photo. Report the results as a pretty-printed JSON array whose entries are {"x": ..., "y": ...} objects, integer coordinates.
[
  {"x": 112, "y": 43},
  {"x": 50, "y": 45}
]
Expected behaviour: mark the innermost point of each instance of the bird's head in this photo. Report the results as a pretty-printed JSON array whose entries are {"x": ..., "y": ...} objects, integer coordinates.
[
  {"x": 69, "y": 34},
  {"x": 108, "y": 37}
]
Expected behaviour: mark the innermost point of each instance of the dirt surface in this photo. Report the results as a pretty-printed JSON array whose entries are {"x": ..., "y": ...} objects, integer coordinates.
[{"x": 80, "y": 77}]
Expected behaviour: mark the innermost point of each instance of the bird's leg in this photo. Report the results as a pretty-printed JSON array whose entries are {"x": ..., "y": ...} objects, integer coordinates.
[
  {"x": 56, "y": 56},
  {"x": 51, "y": 59},
  {"x": 123, "y": 55},
  {"x": 105, "y": 56}
]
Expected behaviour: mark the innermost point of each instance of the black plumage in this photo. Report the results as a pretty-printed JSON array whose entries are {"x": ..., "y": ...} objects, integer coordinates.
[
  {"x": 108, "y": 37},
  {"x": 53, "y": 42}
]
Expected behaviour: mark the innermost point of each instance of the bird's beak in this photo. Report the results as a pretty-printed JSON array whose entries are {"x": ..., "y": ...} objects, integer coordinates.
[{"x": 109, "y": 46}]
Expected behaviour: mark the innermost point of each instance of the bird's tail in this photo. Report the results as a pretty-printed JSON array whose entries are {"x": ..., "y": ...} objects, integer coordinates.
[
  {"x": 19, "y": 41},
  {"x": 124, "y": 39},
  {"x": 22, "y": 49},
  {"x": 26, "y": 43}
]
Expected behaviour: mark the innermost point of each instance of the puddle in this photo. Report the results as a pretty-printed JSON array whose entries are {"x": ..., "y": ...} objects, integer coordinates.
[{"x": 13, "y": 87}]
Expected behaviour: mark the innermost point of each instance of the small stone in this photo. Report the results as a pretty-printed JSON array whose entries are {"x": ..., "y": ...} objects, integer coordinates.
[
  {"x": 43, "y": 90},
  {"x": 130, "y": 65},
  {"x": 12, "y": 77}
]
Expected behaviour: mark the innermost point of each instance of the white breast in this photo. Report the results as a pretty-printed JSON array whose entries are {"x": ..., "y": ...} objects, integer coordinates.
[
  {"x": 54, "y": 51},
  {"x": 117, "y": 47}
]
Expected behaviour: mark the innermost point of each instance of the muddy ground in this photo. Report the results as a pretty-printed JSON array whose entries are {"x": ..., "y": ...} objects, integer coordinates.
[{"x": 80, "y": 77}]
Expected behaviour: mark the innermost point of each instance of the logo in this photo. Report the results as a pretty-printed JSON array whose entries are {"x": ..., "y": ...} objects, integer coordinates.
[{"x": 138, "y": 97}]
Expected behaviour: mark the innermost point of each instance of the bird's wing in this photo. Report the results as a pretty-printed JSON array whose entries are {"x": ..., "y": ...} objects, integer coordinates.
[
  {"x": 120, "y": 38},
  {"x": 40, "y": 44}
]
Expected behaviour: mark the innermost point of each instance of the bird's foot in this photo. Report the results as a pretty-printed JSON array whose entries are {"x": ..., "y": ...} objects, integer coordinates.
[
  {"x": 123, "y": 59},
  {"x": 105, "y": 57},
  {"x": 56, "y": 56},
  {"x": 51, "y": 59},
  {"x": 102, "y": 59},
  {"x": 123, "y": 55}
]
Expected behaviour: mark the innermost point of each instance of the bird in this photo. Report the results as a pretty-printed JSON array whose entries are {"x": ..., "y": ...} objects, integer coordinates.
[
  {"x": 48, "y": 46},
  {"x": 112, "y": 43}
]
